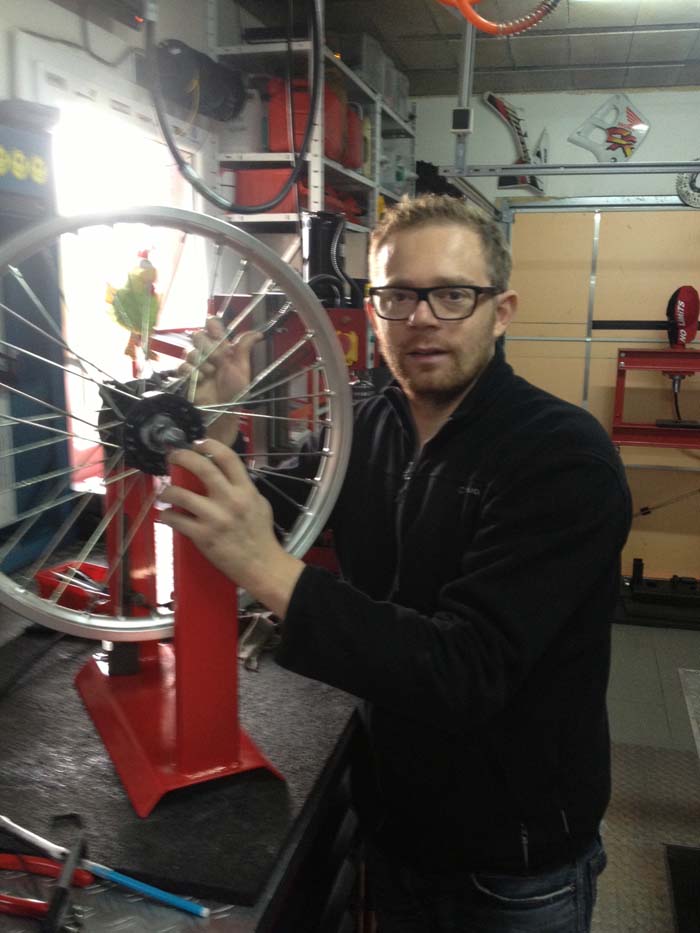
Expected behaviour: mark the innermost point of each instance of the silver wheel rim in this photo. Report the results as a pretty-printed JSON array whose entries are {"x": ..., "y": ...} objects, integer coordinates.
[{"x": 328, "y": 362}]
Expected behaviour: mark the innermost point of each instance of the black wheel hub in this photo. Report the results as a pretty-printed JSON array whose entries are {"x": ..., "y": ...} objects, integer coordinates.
[{"x": 153, "y": 424}]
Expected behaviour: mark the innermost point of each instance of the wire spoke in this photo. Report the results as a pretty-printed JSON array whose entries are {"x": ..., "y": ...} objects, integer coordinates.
[
  {"x": 283, "y": 495},
  {"x": 54, "y": 474},
  {"x": 71, "y": 372},
  {"x": 283, "y": 533},
  {"x": 259, "y": 414},
  {"x": 70, "y": 520},
  {"x": 31, "y": 516},
  {"x": 132, "y": 471},
  {"x": 262, "y": 292},
  {"x": 313, "y": 367},
  {"x": 241, "y": 316},
  {"x": 81, "y": 361},
  {"x": 235, "y": 282},
  {"x": 41, "y": 401},
  {"x": 146, "y": 507},
  {"x": 47, "y": 427},
  {"x": 176, "y": 266},
  {"x": 34, "y": 298},
  {"x": 113, "y": 510},
  {"x": 218, "y": 250},
  {"x": 194, "y": 376},
  {"x": 291, "y": 479},
  {"x": 108, "y": 392},
  {"x": 263, "y": 374},
  {"x": 31, "y": 513},
  {"x": 273, "y": 398},
  {"x": 145, "y": 344},
  {"x": 33, "y": 419},
  {"x": 287, "y": 455},
  {"x": 28, "y": 448}
]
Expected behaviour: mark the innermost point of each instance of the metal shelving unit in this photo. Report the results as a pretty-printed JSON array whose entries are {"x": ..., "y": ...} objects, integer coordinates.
[{"x": 386, "y": 124}]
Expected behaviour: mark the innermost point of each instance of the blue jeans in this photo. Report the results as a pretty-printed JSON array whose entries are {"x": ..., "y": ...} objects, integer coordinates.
[{"x": 558, "y": 901}]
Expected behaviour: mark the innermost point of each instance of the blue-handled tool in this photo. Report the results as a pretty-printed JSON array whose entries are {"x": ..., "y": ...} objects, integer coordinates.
[{"x": 60, "y": 853}]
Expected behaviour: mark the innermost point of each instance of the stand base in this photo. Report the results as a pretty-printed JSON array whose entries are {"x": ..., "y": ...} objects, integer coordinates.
[{"x": 135, "y": 715}]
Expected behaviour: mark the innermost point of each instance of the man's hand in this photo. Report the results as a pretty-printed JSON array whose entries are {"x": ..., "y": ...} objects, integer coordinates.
[
  {"x": 232, "y": 524},
  {"x": 223, "y": 374}
]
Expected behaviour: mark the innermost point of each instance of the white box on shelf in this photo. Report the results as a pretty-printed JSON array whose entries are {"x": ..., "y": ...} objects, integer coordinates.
[
  {"x": 364, "y": 55},
  {"x": 396, "y": 166},
  {"x": 390, "y": 83},
  {"x": 402, "y": 92}
]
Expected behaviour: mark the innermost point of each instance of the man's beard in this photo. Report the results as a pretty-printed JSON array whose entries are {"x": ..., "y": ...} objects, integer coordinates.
[{"x": 441, "y": 389}]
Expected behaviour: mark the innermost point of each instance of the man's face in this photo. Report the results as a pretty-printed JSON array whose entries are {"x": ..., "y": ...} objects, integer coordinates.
[{"x": 436, "y": 360}]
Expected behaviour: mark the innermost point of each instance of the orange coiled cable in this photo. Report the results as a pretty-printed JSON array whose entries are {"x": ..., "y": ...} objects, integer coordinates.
[{"x": 502, "y": 29}]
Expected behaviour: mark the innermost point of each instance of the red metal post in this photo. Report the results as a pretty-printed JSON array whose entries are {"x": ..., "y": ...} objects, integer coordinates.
[{"x": 175, "y": 722}]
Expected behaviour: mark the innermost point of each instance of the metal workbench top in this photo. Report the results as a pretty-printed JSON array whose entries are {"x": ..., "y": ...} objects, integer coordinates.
[
  {"x": 236, "y": 837},
  {"x": 690, "y": 684}
]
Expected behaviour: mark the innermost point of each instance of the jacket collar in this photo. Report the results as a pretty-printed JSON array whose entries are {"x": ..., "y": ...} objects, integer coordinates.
[{"x": 494, "y": 380}]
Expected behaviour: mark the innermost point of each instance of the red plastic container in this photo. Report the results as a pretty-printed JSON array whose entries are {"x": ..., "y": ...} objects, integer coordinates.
[
  {"x": 334, "y": 116},
  {"x": 353, "y": 154},
  {"x": 258, "y": 185},
  {"x": 74, "y": 595}
]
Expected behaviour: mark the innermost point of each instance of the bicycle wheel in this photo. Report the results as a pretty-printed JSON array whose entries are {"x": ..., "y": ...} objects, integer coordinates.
[{"x": 85, "y": 402}]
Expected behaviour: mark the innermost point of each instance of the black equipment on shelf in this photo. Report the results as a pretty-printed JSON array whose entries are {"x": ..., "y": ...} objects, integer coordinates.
[{"x": 323, "y": 250}]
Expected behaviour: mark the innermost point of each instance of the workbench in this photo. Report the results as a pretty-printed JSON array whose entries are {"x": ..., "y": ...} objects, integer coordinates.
[
  {"x": 690, "y": 684},
  {"x": 265, "y": 855}
]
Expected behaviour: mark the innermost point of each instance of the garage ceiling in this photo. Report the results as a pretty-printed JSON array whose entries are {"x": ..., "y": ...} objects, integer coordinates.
[{"x": 584, "y": 44}]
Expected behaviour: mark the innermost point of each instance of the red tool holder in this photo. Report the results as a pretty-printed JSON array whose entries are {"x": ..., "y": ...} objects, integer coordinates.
[
  {"x": 175, "y": 722},
  {"x": 671, "y": 362}
]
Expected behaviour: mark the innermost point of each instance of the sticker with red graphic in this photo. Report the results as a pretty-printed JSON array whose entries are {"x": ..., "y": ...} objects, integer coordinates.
[
  {"x": 512, "y": 117},
  {"x": 614, "y": 132}
]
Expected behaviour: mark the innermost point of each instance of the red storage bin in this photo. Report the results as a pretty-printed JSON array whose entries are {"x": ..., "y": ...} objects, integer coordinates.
[
  {"x": 258, "y": 185},
  {"x": 353, "y": 154},
  {"x": 353, "y": 210},
  {"x": 334, "y": 116},
  {"x": 74, "y": 595}
]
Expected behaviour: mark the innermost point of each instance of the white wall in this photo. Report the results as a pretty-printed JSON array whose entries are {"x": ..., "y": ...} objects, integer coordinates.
[
  {"x": 178, "y": 19},
  {"x": 674, "y": 136},
  {"x": 27, "y": 60}
]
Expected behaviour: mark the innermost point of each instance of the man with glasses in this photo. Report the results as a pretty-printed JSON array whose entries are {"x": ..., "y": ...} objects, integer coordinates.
[{"x": 479, "y": 531}]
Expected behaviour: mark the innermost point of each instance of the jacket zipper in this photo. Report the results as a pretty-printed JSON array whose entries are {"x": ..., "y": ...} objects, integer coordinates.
[
  {"x": 525, "y": 843},
  {"x": 400, "y": 500}
]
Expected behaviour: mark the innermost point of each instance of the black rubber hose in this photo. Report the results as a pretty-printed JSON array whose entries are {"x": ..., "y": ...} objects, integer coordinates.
[
  {"x": 355, "y": 290},
  {"x": 324, "y": 278},
  {"x": 188, "y": 172}
]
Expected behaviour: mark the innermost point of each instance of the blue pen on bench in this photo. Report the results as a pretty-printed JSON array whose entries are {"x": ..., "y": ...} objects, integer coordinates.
[
  {"x": 165, "y": 897},
  {"x": 59, "y": 852}
]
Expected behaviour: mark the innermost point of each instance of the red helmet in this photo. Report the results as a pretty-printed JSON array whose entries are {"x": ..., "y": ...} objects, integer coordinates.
[{"x": 682, "y": 313}]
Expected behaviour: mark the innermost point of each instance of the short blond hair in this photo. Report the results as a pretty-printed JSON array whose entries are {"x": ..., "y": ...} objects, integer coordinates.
[{"x": 427, "y": 209}]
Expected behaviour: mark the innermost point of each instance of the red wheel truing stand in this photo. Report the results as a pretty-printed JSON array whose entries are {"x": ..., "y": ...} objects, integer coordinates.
[{"x": 175, "y": 722}]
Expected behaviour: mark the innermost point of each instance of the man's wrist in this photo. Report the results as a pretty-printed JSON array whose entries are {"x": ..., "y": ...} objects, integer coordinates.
[{"x": 273, "y": 584}]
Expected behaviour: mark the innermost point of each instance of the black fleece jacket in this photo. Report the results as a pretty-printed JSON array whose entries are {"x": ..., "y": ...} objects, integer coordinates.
[{"x": 479, "y": 580}]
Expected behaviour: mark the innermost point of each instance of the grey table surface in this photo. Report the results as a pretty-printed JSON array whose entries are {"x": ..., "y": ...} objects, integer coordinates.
[
  {"x": 690, "y": 684},
  {"x": 299, "y": 724}
]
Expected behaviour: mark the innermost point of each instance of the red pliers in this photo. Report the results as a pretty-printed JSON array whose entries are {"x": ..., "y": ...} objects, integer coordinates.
[{"x": 27, "y": 906}]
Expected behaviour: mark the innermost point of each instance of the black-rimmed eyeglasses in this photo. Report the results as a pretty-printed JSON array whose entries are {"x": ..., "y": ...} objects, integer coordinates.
[{"x": 447, "y": 302}]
